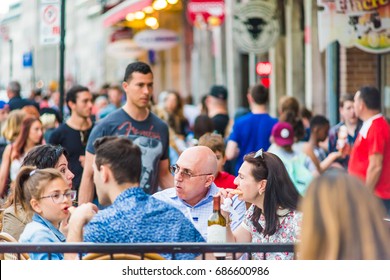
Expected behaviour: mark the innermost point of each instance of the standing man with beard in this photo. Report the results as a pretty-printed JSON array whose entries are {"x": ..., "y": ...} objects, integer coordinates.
[
  {"x": 135, "y": 121},
  {"x": 73, "y": 134}
]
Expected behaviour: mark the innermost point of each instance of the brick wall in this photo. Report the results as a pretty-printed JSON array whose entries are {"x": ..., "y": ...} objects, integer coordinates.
[{"x": 357, "y": 68}]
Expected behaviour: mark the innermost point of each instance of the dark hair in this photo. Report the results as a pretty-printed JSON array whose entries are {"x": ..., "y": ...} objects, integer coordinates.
[
  {"x": 259, "y": 94},
  {"x": 297, "y": 124},
  {"x": 279, "y": 191},
  {"x": 44, "y": 156},
  {"x": 71, "y": 95},
  {"x": 306, "y": 113},
  {"x": 52, "y": 111},
  {"x": 371, "y": 97},
  {"x": 140, "y": 67},
  {"x": 20, "y": 142},
  {"x": 122, "y": 156},
  {"x": 344, "y": 98},
  {"x": 203, "y": 124},
  {"x": 317, "y": 121}
]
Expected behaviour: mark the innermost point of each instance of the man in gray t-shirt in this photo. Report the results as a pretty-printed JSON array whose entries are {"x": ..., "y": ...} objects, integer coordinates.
[{"x": 134, "y": 120}]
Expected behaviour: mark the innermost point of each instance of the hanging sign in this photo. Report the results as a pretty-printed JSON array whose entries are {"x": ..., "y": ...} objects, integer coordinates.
[
  {"x": 208, "y": 11},
  {"x": 359, "y": 23},
  {"x": 255, "y": 26},
  {"x": 124, "y": 49},
  {"x": 159, "y": 39},
  {"x": 49, "y": 22}
]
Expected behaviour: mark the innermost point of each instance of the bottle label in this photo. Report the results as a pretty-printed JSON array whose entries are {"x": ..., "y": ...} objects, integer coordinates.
[{"x": 216, "y": 234}]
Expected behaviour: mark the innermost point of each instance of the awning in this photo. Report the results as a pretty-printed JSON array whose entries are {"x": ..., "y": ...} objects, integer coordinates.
[{"x": 120, "y": 11}]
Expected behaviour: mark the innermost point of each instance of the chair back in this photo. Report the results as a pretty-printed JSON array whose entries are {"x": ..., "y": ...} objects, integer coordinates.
[
  {"x": 6, "y": 237},
  {"x": 98, "y": 256}
]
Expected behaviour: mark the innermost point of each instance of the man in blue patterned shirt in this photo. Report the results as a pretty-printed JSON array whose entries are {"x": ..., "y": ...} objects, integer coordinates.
[{"x": 132, "y": 215}]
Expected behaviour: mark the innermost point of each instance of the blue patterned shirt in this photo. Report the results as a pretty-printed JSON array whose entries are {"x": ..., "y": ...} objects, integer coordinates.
[
  {"x": 200, "y": 213},
  {"x": 136, "y": 217},
  {"x": 41, "y": 230}
]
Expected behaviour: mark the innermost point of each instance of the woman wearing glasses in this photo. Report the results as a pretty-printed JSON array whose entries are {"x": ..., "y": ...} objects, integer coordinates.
[
  {"x": 17, "y": 215},
  {"x": 272, "y": 218},
  {"x": 48, "y": 196}
]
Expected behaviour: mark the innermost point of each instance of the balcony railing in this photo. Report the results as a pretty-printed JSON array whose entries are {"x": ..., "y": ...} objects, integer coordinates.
[{"x": 81, "y": 249}]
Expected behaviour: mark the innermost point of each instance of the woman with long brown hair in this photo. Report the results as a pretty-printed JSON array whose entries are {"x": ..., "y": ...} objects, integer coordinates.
[
  {"x": 31, "y": 135},
  {"x": 263, "y": 181}
]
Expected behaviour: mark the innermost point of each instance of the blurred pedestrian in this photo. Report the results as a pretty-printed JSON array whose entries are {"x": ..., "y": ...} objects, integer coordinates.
[
  {"x": 115, "y": 98},
  {"x": 216, "y": 104},
  {"x": 216, "y": 143},
  {"x": 253, "y": 130},
  {"x": 31, "y": 135},
  {"x": 371, "y": 152},
  {"x": 15, "y": 99},
  {"x": 74, "y": 133},
  {"x": 319, "y": 129},
  {"x": 342, "y": 220},
  {"x": 351, "y": 123}
]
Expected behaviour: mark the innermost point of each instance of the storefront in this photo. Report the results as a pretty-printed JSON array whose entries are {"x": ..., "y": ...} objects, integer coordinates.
[{"x": 151, "y": 31}]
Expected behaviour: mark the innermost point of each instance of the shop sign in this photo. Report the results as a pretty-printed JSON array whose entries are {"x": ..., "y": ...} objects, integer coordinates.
[
  {"x": 255, "y": 26},
  {"x": 159, "y": 39},
  {"x": 124, "y": 49},
  {"x": 360, "y": 23},
  {"x": 207, "y": 11}
]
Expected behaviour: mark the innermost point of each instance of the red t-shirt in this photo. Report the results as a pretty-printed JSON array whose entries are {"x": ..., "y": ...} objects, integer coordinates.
[
  {"x": 377, "y": 141},
  {"x": 225, "y": 180}
]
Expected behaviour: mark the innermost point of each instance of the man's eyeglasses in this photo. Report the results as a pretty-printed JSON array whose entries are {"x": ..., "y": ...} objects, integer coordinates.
[
  {"x": 185, "y": 173},
  {"x": 59, "y": 197}
]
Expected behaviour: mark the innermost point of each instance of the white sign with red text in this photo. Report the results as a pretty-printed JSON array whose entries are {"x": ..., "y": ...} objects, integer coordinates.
[{"x": 50, "y": 22}]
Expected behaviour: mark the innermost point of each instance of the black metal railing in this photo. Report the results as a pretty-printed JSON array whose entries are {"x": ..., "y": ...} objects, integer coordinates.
[{"x": 232, "y": 249}]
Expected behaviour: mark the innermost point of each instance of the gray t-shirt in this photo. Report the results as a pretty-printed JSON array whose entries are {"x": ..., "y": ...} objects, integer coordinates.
[{"x": 151, "y": 135}]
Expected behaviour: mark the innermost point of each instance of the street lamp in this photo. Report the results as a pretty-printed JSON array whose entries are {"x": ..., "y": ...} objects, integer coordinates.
[{"x": 62, "y": 58}]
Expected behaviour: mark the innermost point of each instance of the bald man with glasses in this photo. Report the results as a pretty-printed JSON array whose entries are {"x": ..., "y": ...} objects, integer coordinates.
[{"x": 194, "y": 188}]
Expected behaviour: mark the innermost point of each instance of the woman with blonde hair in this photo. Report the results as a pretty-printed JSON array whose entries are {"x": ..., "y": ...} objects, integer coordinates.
[
  {"x": 342, "y": 220},
  {"x": 13, "y": 124}
]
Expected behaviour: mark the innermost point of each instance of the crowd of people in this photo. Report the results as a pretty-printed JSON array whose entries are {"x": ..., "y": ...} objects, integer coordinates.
[{"x": 121, "y": 168}]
